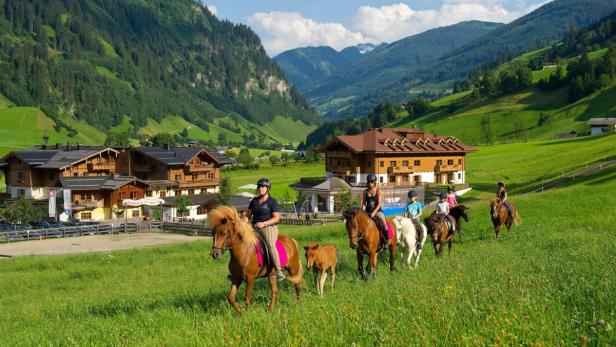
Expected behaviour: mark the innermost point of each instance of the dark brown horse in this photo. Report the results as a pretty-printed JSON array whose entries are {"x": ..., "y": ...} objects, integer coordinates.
[
  {"x": 459, "y": 212},
  {"x": 500, "y": 216},
  {"x": 231, "y": 233},
  {"x": 440, "y": 233},
  {"x": 364, "y": 238}
]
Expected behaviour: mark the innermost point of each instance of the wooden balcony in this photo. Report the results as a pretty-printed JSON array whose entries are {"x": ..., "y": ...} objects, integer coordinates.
[
  {"x": 200, "y": 168},
  {"x": 200, "y": 183},
  {"x": 345, "y": 170},
  {"x": 84, "y": 204},
  {"x": 448, "y": 168},
  {"x": 393, "y": 170},
  {"x": 101, "y": 167}
]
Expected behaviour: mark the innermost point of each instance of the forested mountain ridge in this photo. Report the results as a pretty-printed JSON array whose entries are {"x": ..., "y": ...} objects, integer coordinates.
[
  {"x": 306, "y": 65},
  {"x": 99, "y": 60},
  {"x": 541, "y": 27}
]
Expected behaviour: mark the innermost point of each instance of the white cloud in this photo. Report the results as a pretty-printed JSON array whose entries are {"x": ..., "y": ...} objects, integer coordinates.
[
  {"x": 286, "y": 30},
  {"x": 212, "y": 9}
]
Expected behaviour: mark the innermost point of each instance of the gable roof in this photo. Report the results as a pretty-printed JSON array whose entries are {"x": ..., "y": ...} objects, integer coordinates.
[
  {"x": 175, "y": 155},
  {"x": 97, "y": 182},
  {"x": 399, "y": 140},
  {"x": 57, "y": 158},
  {"x": 601, "y": 121}
]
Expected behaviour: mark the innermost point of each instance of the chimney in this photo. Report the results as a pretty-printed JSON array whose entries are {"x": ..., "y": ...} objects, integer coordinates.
[
  {"x": 68, "y": 146},
  {"x": 57, "y": 145},
  {"x": 45, "y": 140},
  {"x": 167, "y": 146},
  {"x": 78, "y": 146}
]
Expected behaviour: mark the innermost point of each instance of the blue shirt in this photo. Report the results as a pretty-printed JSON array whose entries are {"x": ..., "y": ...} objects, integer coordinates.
[{"x": 414, "y": 208}]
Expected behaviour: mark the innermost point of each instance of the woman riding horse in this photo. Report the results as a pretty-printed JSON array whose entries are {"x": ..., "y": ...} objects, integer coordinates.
[
  {"x": 265, "y": 213},
  {"x": 371, "y": 203}
]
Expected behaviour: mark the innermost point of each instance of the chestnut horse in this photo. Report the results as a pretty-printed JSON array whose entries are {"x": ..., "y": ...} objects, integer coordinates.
[
  {"x": 233, "y": 234},
  {"x": 438, "y": 230},
  {"x": 500, "y": 216},
  {"x": 365, "y": 239}
]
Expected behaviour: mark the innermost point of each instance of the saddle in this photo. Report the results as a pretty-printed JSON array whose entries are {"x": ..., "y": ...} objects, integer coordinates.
[
  {"x": 385, "y": 232},
  {"x": 264, "y": 257}
]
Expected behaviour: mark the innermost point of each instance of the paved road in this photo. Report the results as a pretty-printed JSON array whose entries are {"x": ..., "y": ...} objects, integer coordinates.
[{"x": 99, "y": 243}]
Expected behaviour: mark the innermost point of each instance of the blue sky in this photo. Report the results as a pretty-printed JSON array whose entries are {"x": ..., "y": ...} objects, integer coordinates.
[{"x": 288, "y": 24}]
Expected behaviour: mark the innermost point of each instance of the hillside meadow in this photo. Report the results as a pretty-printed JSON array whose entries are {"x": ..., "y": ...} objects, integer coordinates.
[{"x": 548, "y": 282}]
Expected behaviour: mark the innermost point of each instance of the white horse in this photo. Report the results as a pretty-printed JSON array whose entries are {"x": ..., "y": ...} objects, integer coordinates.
[{"x": 407, "y": 239}]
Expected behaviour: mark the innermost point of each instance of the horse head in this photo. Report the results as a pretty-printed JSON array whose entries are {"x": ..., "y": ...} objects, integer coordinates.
[
  {"x": 464, "y": 212},
  {"x": 432, "y": 223},
  {"x": 311, "y": 254},
  {"x": 226, "y": 224},
  {"x": 352, "y": 225},
  {"x": 494, "y": 207}
]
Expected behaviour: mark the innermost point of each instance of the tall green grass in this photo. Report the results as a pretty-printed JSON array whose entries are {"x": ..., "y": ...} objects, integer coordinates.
[{"x": 548, "y": 282}]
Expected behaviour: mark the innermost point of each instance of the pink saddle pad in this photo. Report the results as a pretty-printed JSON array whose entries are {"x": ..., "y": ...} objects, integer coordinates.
[
  {"x": 282, "y": 254},
  {"x": 390, "y": 232}
]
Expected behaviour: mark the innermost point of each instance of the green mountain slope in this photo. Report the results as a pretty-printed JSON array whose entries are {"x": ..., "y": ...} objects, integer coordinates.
[
  {"x": 99, "y": 60},
  {"x": 393, "y": 62},
  {"x": 307, "y": 65},
  {"x": 543, "y": 26}
]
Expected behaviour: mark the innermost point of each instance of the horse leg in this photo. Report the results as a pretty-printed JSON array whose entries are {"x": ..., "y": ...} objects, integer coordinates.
[
  {"x": 250, "y": 282},
  {"x": 418, "y": 254},
  {"x": 372, "y": 262},
  {"x": 322, "y": 282},
  {"x": 360, "y": 265},
  {"x": 314, "y": 276},
  {"x": 274, "y": 286},
  {"x": 392, "y": 255},
  {"x": 333, "y": 269},
  {"x": 449, "y": 246},
  {"x": 410, "y": 255},
  {"x": 231, "y": 298},
  {"x": 497, "y": 230},
  {"x": 459, "y": 232}
]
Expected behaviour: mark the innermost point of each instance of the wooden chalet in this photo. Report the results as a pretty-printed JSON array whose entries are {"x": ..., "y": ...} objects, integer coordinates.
[{"x": 397, "y": 156}]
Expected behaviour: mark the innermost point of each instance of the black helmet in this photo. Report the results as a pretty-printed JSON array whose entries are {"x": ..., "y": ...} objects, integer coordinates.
[
  {"x": 371, "y": 178},
  {"x": 501, "y": 184},
  {"x": 412, "y": 194},
  {"x": 264, "y": 182},
  {"x": 449, "y": 189},
  {"x": 443, "y": 195}
]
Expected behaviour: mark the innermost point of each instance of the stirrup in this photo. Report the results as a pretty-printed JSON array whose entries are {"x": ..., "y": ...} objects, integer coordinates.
[{"x": 280, "y": 275}]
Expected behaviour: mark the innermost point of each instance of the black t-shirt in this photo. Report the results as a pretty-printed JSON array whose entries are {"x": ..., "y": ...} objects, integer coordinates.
[{"x": 264, "y": 211}]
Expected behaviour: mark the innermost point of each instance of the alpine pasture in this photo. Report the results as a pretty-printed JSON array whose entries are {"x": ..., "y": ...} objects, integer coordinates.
[{"x": 550, "y": 281}]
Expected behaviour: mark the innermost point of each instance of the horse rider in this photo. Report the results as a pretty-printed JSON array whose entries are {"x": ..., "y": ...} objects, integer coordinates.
[
  {"x": 501, "y": 193},
  {"x": 451, "y": 197},
  {"x": 413, "y": 211},
  {"x": 265, "y": 213},
  {"x": 442, "y": 209},
  {"x": 371, "y": 203}
]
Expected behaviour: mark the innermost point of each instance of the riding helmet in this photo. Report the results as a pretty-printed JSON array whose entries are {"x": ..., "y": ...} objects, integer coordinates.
[
  {"x": 264, "y": 182},
  {"x": 412, "y": 194},
  {"x": 501, "y": 184},
  {"x": 443, "y": 196},
  {"x": 371, "y": 178}
]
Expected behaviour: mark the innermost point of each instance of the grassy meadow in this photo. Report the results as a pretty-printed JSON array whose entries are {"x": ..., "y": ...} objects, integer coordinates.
[{"x": 550, "y": 281}]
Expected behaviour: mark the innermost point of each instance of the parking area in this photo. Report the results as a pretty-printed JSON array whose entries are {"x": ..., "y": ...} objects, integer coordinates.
[{"x": 96, "y": 243}]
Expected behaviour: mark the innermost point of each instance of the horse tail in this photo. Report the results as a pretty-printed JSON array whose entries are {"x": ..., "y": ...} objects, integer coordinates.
[
  {"x": 337, "y": 261},
  {"x": 516, "y": 217},
  {"x": 299, "y": 276}
]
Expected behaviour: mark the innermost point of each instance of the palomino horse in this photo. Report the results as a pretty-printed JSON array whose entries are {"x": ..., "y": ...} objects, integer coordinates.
[
  {"x": 457, "y": 213},
  {"x": 437, "y": 228},
  {"x": 500, "y": 216},
  {"x": 231, "y": 233},
  {"x": 364, "y": 237},
  {"x": 408, "y": 239}
]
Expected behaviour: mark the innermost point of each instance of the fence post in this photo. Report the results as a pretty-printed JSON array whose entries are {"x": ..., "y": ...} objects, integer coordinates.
[{"x": 97, "y": 232}]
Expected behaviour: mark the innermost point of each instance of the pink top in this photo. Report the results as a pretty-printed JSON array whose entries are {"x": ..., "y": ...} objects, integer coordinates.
[{"x": 451, "y": 200}]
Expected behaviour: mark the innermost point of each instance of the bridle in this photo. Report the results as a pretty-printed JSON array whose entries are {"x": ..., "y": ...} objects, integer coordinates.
[
  {"x": 360, "y": 234},
  {"x": 225, "y": 245}
]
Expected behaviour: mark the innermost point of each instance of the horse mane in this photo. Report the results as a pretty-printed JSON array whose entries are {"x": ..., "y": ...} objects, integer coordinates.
[
  {"x": 352, "y": 212},
  {"x": 225, "y": 214}
]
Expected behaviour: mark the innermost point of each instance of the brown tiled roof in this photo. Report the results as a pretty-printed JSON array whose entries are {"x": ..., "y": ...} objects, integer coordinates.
[
  {"x": 399, "y": 140},
  {"x": 601, "y": 121}
]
